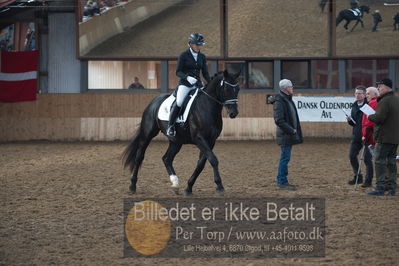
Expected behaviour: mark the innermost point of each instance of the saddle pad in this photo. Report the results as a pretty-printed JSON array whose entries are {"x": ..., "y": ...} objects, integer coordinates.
[
  {"x": 355, "y": 12},
  {"x": 164, "y": 110}
]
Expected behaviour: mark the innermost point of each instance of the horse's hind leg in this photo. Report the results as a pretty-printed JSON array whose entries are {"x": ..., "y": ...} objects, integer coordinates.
[
  {"x": 138, "y": 160},
  {"x": 200, "y": 166},
  {"x": 147, "y": 133},
  {"x": 167, "y": 159},
  {"x": 346, "y": 25}
]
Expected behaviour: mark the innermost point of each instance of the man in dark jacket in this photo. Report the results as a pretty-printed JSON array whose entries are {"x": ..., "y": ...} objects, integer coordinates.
[
  {"x": 288, "y": 131},
  {"x": 355, "y": 120},
  {"x": 377, "y": 19},
  {"x": 386, "y": 134},
  {"x": 395, "y": 21}
]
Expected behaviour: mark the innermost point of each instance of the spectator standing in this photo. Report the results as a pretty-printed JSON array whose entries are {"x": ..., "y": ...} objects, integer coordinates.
[
  {"x": 288, "y": 131},
  {"x": 377, "y": 19},
  {"x": 396, "y": 21},
  {"x": 368, "y": 129},
  {"x": 386, "y": 119},
  {"x": 355, "y": 120}
]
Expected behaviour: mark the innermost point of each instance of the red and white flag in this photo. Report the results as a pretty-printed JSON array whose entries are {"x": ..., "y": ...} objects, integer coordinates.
[{"x": 18, "y": 76}]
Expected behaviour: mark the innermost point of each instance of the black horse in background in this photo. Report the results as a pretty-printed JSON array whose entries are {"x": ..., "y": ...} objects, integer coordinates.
[
  {"x": 349, "y": 15},
  {"x": 202, "y": 128}
]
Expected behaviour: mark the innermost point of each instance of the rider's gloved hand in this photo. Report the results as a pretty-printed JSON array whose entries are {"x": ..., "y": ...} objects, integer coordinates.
[{"x": 191, "y": 80}]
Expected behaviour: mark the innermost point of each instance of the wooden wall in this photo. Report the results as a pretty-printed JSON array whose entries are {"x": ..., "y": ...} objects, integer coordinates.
[{"x": 109, "y": 117}]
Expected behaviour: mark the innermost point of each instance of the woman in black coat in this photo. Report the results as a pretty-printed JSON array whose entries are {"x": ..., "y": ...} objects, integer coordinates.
[{"x": 189, "y": 65}]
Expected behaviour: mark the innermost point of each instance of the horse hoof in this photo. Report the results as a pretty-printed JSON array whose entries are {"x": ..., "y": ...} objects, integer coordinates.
[
  {"x": 188, "y": 193},
  {"x": 132, "y": 190},
  {"x": 175, "y": 190},
  {"x": 220, "y": 190}
]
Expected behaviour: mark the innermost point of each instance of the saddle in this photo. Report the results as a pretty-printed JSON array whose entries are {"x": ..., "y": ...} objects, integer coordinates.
[{"x": 164, "y": 109}]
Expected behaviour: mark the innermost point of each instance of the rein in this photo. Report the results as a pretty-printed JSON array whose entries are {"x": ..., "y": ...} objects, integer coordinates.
[{"x": 227, "y": 102}]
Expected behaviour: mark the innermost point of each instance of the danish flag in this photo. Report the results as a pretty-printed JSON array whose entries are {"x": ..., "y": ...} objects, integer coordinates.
[{"x": 18, "y": 76}]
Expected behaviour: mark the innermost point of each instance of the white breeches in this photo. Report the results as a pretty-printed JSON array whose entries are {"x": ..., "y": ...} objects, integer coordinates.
[{"x": 182, "y": 93}]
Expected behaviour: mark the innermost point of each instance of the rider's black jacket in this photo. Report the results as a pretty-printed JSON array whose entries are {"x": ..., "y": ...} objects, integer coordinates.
[{"x": 187, "y": 66}]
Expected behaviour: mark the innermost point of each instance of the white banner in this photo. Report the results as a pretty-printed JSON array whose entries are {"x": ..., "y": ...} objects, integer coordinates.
[{"x": 323, "y": 108}]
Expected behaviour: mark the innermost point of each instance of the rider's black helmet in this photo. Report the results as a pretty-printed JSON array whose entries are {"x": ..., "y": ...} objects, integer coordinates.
[{"x": 196, "y": 38}]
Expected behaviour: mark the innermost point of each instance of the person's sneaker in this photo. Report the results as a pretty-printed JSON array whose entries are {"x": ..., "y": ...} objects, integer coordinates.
[
  {"x": 376, "y": 192},
  {"x": 287, "y": 187},
  {"x": 353, "y": 181}
]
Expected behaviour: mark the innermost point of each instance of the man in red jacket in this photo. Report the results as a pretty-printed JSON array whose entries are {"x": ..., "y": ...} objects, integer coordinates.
[{"x": 368, "y": 128}]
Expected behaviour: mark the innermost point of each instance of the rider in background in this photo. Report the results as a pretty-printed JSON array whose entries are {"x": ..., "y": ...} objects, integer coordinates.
[
  {"x": 189, "y": 65},
  {"x": 355, "y": 6}
]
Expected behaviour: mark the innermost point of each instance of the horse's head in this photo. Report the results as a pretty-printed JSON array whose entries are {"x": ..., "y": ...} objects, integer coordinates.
[
  {"x": 364, "y": 9},
  {"x": 228, "y": 92}
]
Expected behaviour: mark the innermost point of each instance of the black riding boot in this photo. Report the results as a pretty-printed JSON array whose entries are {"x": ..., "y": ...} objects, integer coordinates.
[{"x": 174, "y": 112}]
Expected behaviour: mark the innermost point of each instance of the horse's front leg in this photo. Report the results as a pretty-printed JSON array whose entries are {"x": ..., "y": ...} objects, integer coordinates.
[
  {"x": 354, "y": 26},
  {"x": 167, "y": 159},
  {"x": 200, "y": 166},
  {"x": 203, "y": 145}
]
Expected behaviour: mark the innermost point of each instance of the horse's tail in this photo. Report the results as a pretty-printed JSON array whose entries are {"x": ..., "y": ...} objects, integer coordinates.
[
  {"x": 129, "y": 154},
  {"x": 147, "y": 130}
]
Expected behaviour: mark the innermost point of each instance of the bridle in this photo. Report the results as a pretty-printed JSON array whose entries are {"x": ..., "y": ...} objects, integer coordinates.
[{"x": 227, "y": 102}]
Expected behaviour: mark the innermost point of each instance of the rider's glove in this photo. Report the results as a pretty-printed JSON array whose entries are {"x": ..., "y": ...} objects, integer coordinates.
[{"x": 191, "y": 80}]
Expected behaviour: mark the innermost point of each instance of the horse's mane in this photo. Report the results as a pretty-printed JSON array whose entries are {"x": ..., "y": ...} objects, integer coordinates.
[
  {"x": 217, "y": 74},
  {"x": 214, "y": 78}
]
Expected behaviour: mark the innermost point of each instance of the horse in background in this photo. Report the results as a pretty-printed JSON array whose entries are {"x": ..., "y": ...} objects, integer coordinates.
[
  {"x": 349, "y": 14},
  {"x": 203, "y": 126}
]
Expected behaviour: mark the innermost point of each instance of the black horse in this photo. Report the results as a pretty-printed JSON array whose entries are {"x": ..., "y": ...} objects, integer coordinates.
[
  {"x": 349, "y": 15},
  {"x": 202, "y": 128}
]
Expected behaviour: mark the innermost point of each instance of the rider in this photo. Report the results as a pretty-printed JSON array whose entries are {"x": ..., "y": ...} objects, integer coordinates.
[
  {"x": 188, "y": 68},
  {"x": 355, "y": 6}
]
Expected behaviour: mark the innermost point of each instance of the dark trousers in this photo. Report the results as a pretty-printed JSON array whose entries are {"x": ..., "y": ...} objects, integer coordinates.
[
  {"x": 354, "y": 150},
  {"x": 374, "y": 29},
  {"x": 385, "y": 159}
]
